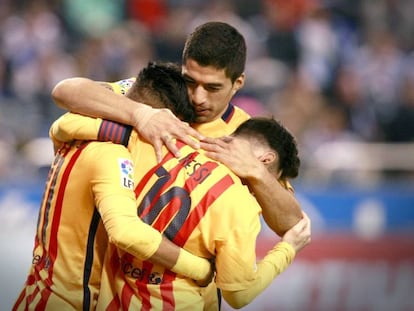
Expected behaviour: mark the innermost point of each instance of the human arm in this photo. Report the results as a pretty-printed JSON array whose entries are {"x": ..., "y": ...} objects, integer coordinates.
[
  {"x": 238, "y": 274},
  {"x": 274, "y": 263},
  {"x": 157, "y": 126},
  {"x": 112, "y": 186},
  {"x": 73, "y": 126},
  {"x": 127, "y": 232},
  {"x": 279, "y": 206}
]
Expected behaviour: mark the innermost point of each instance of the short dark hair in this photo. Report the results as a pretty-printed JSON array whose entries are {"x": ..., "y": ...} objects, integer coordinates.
[
  {"x": 219, "y": 45},
  {"x": 161, "y": 85},
  {"x": 278, "y": 138}
]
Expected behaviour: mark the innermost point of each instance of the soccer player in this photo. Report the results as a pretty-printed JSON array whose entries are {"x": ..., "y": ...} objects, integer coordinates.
[
  {"x": 89, "y": 200},
  {"x": 213, "y": 65}
]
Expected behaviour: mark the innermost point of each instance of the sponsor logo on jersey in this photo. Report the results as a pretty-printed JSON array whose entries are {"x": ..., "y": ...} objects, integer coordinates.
[{"x": 127, "y": 173}]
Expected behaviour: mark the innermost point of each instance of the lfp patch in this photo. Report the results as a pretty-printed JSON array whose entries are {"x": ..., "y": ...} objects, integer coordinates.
[{"x": 127, "y": 173}]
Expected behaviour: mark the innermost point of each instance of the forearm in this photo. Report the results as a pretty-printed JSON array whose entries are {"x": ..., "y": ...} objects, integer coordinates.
[
  {"x": 90, "y": 98},
  {"x": 141, "y": 240},
  {"x": 129, "y": 233},
  {"x": 280, "y": 208},
  {"x": 274, "y": 263},
  {"x": 181, "y": 261}
]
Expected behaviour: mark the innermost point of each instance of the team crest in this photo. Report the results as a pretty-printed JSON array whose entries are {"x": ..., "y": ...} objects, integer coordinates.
[{"x": 127, "y": 173}]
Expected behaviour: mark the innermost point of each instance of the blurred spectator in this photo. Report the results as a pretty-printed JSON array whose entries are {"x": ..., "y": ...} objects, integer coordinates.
[
  {"x": 348, "y": 93},
  {"x": 400, "y": 127},
  {"x": 282, "y": 19},
  {"x": 319, "y": 46},
  {"x": 92, "y": 18},
  {"x": 151, "y": 13},
  {"x": 379, "y": 62},
  {"x": 297, "y": 105}
]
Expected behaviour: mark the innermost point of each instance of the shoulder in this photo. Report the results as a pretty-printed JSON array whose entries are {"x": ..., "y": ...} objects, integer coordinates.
[
  {"x": 240, "y": 113},
  {"x": 105, "y": 151},
  {"x": 122, "y": 86}
]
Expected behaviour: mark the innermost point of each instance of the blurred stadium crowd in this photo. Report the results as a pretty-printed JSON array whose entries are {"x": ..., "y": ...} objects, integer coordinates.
[{"x": 331, "y": 70}]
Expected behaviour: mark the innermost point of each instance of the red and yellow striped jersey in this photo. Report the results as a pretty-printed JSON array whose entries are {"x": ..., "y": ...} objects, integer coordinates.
[
  {"x": 199, "y": 205},
  {"x": 71, "y": 239}
]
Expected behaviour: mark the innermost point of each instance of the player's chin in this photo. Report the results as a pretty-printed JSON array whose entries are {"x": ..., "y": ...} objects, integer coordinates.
[{"x": 203, "y": 118}]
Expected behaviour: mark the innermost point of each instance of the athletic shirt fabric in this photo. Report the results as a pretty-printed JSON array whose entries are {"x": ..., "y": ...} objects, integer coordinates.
[
  {"x": 199, "y": 205},
  {"x": 70, "y": 240}
]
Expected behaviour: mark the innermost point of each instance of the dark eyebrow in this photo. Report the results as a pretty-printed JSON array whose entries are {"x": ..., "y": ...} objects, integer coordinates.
[{"x": 212, "y": 85}]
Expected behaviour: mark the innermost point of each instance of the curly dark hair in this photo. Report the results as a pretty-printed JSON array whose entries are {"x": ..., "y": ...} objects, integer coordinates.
[
  {"x": 161, "y": 85},
  {"x": 272, "y": 132},
  {"x": 219, "y": 45}
]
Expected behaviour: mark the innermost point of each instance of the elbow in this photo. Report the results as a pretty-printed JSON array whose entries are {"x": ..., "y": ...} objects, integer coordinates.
[
  {"x": 237, "y": 305},
  {"x": 115, "y": 237},
  {"x": 236, "y": 300},
  {"x": 58, "y": 93},
  {"x": 64, "y": 90}
]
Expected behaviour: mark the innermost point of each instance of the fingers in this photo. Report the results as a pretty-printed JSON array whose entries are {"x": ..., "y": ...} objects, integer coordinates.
[
  {"x": 169, "y": 142},
  {"x": 215, "y": 144},
  {"x": 157, "y": 144},
  {"x": 164, "y": 128}
]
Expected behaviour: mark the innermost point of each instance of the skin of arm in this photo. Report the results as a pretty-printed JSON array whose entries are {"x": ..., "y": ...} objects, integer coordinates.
[
  {"x": 274, "y": 263},
  {"x": 281, "y": 211},
  {"x": 157, "y": 126}
]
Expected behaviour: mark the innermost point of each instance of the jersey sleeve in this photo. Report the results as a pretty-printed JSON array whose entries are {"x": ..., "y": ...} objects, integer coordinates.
[
  {"x": 274, "y": 263},
  {"x": 72, "y": 126},
  {"x": 240, "y": 277},
  {"x": 113, "y": 189}
]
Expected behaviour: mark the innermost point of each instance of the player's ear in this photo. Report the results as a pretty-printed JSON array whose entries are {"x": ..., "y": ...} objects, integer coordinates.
[
  {"x": 268, "y": 157},
  {"x": 239, "y": 83}
]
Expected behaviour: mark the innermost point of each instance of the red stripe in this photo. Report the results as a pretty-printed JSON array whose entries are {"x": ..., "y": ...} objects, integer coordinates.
[
  {"x": 166, "y": 287},
  {"x": 19, "y": 300},
  {"x": 114, "y": 305},
  {"x": 167, "y": 214},
  {"x": 31, "y": 297},
  {"x": 143, "y": 286},
  {"x": 168, "y": 300},
  {"x": 46, "y": 204},
  {"x": 41, "y": 306},
  {"x": 58, "y": 211},
  {"x": 199, "y": 211},
  {"x": 199, "y": 175},
  {"x": 173, "y": 176},
  {"x": 144, "y": 180},
  {"x": 117, "y": 133},
  {"x": 114, "y": 263},
  {"x": 108, "y": 130},
  {"x": 102, "y": 130},
  {"x": 173, "y": 206},
  {"x": 126, "y": 296}
]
